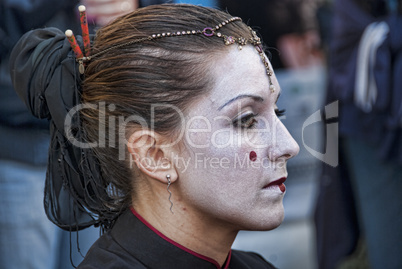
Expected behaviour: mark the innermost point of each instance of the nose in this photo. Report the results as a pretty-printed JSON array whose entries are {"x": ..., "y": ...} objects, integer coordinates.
[{"x": 283, "y": 145}]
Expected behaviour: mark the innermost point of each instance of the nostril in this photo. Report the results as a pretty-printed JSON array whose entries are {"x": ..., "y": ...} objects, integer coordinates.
[
  {"x": 287, "y": 156},
  {"x": 279, "y": 157}
]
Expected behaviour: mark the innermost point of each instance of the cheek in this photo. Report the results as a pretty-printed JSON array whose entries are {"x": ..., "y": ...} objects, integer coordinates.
[
  {"x": 224, "y": 174},
  {"x": 221, "y": 164},
  {"x": 222, "y": 156},
  {"x": 230, "y": 190},
  {"x": 197, "y": 139}
]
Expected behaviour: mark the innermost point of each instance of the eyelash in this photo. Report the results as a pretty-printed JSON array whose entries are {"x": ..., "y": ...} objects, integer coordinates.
[
  {"x": 246, "y": 122},
  {"x": 280, "y": 112}
]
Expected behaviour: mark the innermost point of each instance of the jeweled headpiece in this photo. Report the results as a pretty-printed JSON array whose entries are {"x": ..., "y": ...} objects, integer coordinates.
[{"x": 208, "y": 31}]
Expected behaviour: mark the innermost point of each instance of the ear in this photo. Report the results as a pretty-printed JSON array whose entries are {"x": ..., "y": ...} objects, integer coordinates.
[{"x": 151, "y": 157}]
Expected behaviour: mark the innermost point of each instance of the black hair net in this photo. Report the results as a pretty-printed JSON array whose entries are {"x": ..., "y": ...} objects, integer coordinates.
[{"x": 45, "y": 75}]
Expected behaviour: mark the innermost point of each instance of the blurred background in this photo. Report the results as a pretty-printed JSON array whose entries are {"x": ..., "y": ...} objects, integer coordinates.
[
  {"x": 339, "y": 66},
  {"x": 292, "y": 31}
]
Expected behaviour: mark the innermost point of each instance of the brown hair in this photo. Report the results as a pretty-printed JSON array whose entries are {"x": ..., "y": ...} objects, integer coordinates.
[{"x": 170, "y": 70}]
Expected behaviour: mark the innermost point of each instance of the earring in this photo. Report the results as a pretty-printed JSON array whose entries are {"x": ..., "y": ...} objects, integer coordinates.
[{"x": 170, "y": 193}]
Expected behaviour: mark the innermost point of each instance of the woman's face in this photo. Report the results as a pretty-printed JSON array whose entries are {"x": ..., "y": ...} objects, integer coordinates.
[{"x": 236, "y": 146}]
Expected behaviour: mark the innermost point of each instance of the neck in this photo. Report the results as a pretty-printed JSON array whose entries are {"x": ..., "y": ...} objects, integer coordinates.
[{"x": 194, "y": 232}]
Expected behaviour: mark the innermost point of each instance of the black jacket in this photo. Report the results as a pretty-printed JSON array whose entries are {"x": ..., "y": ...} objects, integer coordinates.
[{"x": 133, "y": 243}]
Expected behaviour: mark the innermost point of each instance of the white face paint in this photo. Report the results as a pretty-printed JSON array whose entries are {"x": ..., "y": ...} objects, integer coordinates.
[{"x": 235, "y": 118}]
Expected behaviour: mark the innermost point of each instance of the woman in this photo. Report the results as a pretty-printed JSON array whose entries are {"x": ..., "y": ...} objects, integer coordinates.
[{"x": 178, "y": 136}]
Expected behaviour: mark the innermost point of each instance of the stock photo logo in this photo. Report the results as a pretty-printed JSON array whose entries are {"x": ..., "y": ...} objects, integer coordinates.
[
  {"x": 331, "y": 154},
  {"x": 328, "y": 117}
]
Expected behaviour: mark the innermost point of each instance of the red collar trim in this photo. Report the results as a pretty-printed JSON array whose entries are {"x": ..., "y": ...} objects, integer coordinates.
[{"x": 225, "y": 266}]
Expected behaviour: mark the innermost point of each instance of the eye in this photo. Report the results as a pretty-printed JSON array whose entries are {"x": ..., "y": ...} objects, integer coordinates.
[
  {"x": 246, "y": 121},
  {"x": 280, "y": 112}
]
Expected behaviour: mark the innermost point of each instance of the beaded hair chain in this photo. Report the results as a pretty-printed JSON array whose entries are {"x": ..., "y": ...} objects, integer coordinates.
[{"x": 208, "y": 31}]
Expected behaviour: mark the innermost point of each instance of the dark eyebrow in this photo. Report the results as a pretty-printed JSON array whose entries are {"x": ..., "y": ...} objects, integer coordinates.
[
  {"x": 255, "y": 97},
  {"x": 277, "y": 98}
]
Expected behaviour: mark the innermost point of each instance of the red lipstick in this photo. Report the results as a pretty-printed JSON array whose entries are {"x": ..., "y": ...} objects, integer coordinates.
[{"x": 278, "y": 182}]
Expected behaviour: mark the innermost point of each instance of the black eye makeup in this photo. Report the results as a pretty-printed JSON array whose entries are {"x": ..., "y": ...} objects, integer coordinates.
[
  {"x": 280, "y": 112},
  {"x": 245, "y": 121}
]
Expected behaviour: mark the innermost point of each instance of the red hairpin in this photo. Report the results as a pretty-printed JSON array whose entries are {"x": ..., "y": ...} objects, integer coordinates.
[
  {"x": 85, "y": 36},
  {"x": 85, "y": 31},
  {"x": 74, "y": 45}
]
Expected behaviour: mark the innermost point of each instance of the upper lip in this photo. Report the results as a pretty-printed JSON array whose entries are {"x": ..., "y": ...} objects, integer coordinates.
[{"x": 276, "y": 182}]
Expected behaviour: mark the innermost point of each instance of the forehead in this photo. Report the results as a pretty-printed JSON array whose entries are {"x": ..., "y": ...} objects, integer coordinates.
[{"x": 238, "y": 72}]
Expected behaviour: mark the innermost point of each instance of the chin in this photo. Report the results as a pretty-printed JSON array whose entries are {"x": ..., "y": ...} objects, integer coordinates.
[
  {"x": 265, "y": 221},
  {"x": 270, "y": 224}
]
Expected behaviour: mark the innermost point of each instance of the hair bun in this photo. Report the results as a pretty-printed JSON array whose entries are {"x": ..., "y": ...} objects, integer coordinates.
[{"x": 45, "y": 74}]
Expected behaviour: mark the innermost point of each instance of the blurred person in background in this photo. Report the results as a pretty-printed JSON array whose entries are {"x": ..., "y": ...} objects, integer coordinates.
[
  {"x": 288, "y": 27},
  {"x": 296, "y": 33},
  {"x": 358, "y": 213},
  {"x": 104, "y": 11},
  {"x": 27, "y": 238}
]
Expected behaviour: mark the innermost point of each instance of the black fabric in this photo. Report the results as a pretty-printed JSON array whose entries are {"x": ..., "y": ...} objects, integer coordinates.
[
  {"x": 18, "y": 17},
  {"x": 24, "y": 138},
  {"x": 45, "y": 75},
  {"x": 38, "y": 64},
  {"x": 337, "y": 227},
  {"x": 131, "y": 244},
  {"x": 335, "y": 215},
  {"x": 381, "y": 127}
]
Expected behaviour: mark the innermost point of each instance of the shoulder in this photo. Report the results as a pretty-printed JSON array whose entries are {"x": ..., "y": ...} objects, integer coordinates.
[
  {"x": 106, "y": 253},
  {"x": 243, "y": 259}
]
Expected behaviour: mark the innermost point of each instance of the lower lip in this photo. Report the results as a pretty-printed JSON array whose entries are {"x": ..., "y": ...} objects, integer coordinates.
[{"x": 281, "y": 187}]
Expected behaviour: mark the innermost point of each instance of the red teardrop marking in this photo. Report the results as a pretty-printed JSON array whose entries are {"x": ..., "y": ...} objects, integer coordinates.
[{"x": 253, "y": 156}]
